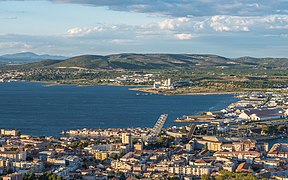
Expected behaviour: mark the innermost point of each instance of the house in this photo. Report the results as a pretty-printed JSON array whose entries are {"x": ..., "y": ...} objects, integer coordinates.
[
  {"x": 244, "y": 168},
  {"x": 279, "y": 150},
  {"x": 229, "y": 166},
  {"x": 191, "y": 170},
  {"x": 241, "y": 155},
  {"x": 212, "y": 143},
  {"x": 280, "y": 171},
  {"x": 268, "y": 162},
  {"x": 227, "y": 147},
  {"x": 14, "y": 155},
  {"x": 121, "y": 166},
  {"x": 245, "y": 145}
]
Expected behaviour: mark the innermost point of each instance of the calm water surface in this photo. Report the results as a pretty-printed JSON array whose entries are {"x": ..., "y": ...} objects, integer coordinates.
[{"x": 41, "y": 110}]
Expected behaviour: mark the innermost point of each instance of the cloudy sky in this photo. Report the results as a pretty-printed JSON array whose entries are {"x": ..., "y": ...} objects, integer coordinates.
[{"x": 231, "y": 28}]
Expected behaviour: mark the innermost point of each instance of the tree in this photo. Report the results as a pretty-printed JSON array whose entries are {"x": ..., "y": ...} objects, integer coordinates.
[
  {"x": 220, "y": 178},
  {"x": 113, "y": 156},
  {"x": 122, "y": 177},
  {"x": 250, "y": 177},
  {"x": 265, "y": 129},
  {"x": 282, "y": 128},
  {"x": 31, "y": 176},
  {"x": 10, "y": 171},
  {"x": 205, "y": 177},
  {"x": 183, "y": 130},
  {"x": 173, "y": 178}
]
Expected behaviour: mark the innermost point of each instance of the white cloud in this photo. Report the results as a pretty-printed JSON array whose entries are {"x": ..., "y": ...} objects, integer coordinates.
[
  {"x": 178, "y": 23},
  {"x": 183, "y": 19},
  {"x": 230, "y": 23},
  {"x": 84, "y": 31},
  {"x": 178, "y": 27},
  {"x": 184, "y": 36},
  {"x": 168, "y": 24}
]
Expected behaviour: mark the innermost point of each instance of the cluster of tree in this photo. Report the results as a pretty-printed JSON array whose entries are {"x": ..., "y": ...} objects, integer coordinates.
[
  {"x": 79, "y": 144},
  {"x": 46, "y": 176},
  {"x": 224, "y": 174},
  {"x": 162, "y": 141},
  {"x": 270, "y": 130}
]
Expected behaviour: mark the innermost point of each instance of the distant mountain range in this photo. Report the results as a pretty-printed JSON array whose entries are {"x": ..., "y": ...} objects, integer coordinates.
[
  {"x": 27, "y": 57},
  {"x": 132, "y": 61}
]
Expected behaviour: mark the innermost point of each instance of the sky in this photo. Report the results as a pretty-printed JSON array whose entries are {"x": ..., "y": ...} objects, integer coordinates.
[{"x": 231, "y": 28}]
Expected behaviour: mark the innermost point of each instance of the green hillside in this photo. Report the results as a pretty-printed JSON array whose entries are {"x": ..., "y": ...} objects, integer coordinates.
[{"x": 130, "y": 61}]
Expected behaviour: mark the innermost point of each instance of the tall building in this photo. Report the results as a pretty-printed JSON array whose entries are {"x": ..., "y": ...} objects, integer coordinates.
[
  {"x": 168, "y": 82},
  {"x": 127, "y": 139}
]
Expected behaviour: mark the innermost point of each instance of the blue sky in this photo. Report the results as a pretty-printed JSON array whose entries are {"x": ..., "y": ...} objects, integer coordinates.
[{"x": 231, "y": 28}]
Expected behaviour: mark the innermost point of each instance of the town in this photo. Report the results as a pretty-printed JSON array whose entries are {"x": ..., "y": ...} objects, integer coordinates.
[
  {"x": 143, "y": 89},
  {"x": 239, "y": 141}
]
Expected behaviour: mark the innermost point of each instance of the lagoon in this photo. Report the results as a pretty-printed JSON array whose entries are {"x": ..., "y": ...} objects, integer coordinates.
[{"x": 37, "y": 109}]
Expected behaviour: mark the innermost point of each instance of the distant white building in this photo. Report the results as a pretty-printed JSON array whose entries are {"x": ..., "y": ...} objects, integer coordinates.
[{"x": 163, "y": 84}]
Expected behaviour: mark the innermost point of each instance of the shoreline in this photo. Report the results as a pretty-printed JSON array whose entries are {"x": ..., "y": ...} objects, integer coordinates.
[
  {"x": 169, "y": 93},
  {"x": 149, "y": 89},
  {"x": 139, "y": 88},
  {"x": 54, "y": 83}
]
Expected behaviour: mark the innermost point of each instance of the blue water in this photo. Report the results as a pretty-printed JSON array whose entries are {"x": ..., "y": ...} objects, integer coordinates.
[{"x": 41, "y": 110}]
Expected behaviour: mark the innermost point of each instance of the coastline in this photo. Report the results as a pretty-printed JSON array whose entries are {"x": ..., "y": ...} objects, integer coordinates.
[
  {"x": 149, "y": 89},
  {"x": 169, "y": 92},
  {"x": 140, "y": 88},
  {"x": 55, "y": 83}
]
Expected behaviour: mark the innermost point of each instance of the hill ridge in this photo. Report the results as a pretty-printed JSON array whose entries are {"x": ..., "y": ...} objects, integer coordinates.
[{"x": 138, "y": 61}]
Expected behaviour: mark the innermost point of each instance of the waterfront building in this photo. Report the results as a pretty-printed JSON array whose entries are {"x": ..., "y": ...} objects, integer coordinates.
[
  {"x": 8, "y": 132},
  {"x": 262, "y": 114},
  {"x": 167, "y": 84}
]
